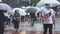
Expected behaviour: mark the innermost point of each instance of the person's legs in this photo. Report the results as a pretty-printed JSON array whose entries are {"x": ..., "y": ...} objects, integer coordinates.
[
  {"x": 32, "y": 22},
  {"x": 11, "y": 19},
  {"x": 45, "y": 28},
  {"x": 2, "y": 31},
  {"x": 6, "y": 19},
  {"x": 17, "y": 24},
  {"x": 22, "y": 18},
  {"x": 50, "y": 28},
  {"x": 1, "y": 28}
]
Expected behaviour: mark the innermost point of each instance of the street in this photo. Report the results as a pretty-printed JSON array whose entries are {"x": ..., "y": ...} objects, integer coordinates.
[{"x": 25, "y": 28}]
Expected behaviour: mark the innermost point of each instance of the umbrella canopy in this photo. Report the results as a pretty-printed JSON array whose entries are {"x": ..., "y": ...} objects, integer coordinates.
[
  {"x": 21, "y": 11},
  {"x": 36, "y": 8},
  {"x": 27, "y": 7},
  {"x": 56, "y": 3},
  {"x": 6, "y": 7},
  {"x": 40, "y": 10},
  {"x": 43, "y": 2},
  {"x": 23, "y": 7},
  {"x": 31, "y": 10}
]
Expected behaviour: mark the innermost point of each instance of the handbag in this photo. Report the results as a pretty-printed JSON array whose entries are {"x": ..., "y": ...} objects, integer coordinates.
[{"x": 13, "y": 21}]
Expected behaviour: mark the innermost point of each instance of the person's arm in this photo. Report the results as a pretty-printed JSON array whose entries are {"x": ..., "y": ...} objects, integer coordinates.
[
  {"x": 14, "y": 17},
  {"x": 45, "y": 16},
  {"x": 53, "y": 16}
]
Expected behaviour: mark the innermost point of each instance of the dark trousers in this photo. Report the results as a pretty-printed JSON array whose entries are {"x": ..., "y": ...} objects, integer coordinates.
[
  {"x": 16, "y": 25},
  {"x": 2, "y": 20},
  {"x": 46, "y": 26},
  {"x": 22, "y": 18},
  {"x": 7, "y": 20},
  {"x": 1, "y": 28},
  {"x": 31, "y": 22}
]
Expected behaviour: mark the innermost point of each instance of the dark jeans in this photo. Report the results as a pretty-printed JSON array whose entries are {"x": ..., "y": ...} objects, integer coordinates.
[
  {"x": 32, "y": 22},
  {"x": 46, "y": 26},
  {"x": 16, "y": 25},
  {"x": 7, "y": 20},
  {"x": 22, "y": 18},
  {"x": 1, "y": 28}
]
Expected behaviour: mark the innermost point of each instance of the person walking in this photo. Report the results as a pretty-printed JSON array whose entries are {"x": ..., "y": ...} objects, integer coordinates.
[
  {"x": 2, "y": 20},
  {"x": 16, "y": 18},
  {"x": 32, "y": 19},
  {"x": 47, "y": 14},
  {"x": 6, "y": 18}
]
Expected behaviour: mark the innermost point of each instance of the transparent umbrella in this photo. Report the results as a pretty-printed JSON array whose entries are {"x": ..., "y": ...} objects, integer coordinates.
[
  {"x": 27, "y": 7},
  {"x": 21, "y": 11},
  {"x": 6, "y": 7},
  {"x": 53, "y": 3}
]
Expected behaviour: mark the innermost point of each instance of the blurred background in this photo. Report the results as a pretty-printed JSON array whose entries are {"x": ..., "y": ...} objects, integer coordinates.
[
  {"x": 24, "y": 27},
  {"x": 19, "y": 3}
]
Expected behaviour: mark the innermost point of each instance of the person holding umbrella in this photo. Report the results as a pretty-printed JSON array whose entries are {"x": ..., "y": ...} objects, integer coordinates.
[
  {"x": 32, "y": 15},
  {"x": 16, "y": 19},
  {"x": 47, "y": 14},
  {"x": 2, "y": 20},
  {"x": 6, "y": 18},
  {"x": 3, "y": 8},
  {"x": 32, "y": 19}
]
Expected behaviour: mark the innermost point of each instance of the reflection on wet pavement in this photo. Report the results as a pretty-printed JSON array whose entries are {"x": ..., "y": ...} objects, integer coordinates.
[{"x": 25, "y": 28}]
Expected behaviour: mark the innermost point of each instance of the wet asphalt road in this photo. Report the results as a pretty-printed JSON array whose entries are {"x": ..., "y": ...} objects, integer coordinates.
[{"x": 25, "y": 28}]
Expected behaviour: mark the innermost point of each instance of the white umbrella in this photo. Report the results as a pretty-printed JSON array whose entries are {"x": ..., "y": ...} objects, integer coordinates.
[
  {"x": 43, "y": 2},
  {"x": 56, "y": 3},
  {"x": 0, "y": 0},
  {"x": 23, "y": 7},
  {"x": 28, "y": 6},
  {"x": 4, "y": 6},
  {"x": 40, "y": 9},
  {"x": 21, "y": 11},
  {"x": 36, "y": 8}
]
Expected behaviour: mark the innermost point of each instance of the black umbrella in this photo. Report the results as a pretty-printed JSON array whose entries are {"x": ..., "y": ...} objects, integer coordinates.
[{"x": 31, "y": 10}]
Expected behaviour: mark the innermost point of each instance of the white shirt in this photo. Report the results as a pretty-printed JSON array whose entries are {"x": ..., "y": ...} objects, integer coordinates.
[
  {"x": 49, "y": 19},
  {"x": 6, "y": 14}
]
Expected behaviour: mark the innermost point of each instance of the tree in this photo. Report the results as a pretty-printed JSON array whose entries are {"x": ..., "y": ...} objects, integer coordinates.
[{"x": 34, "y": 2}]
